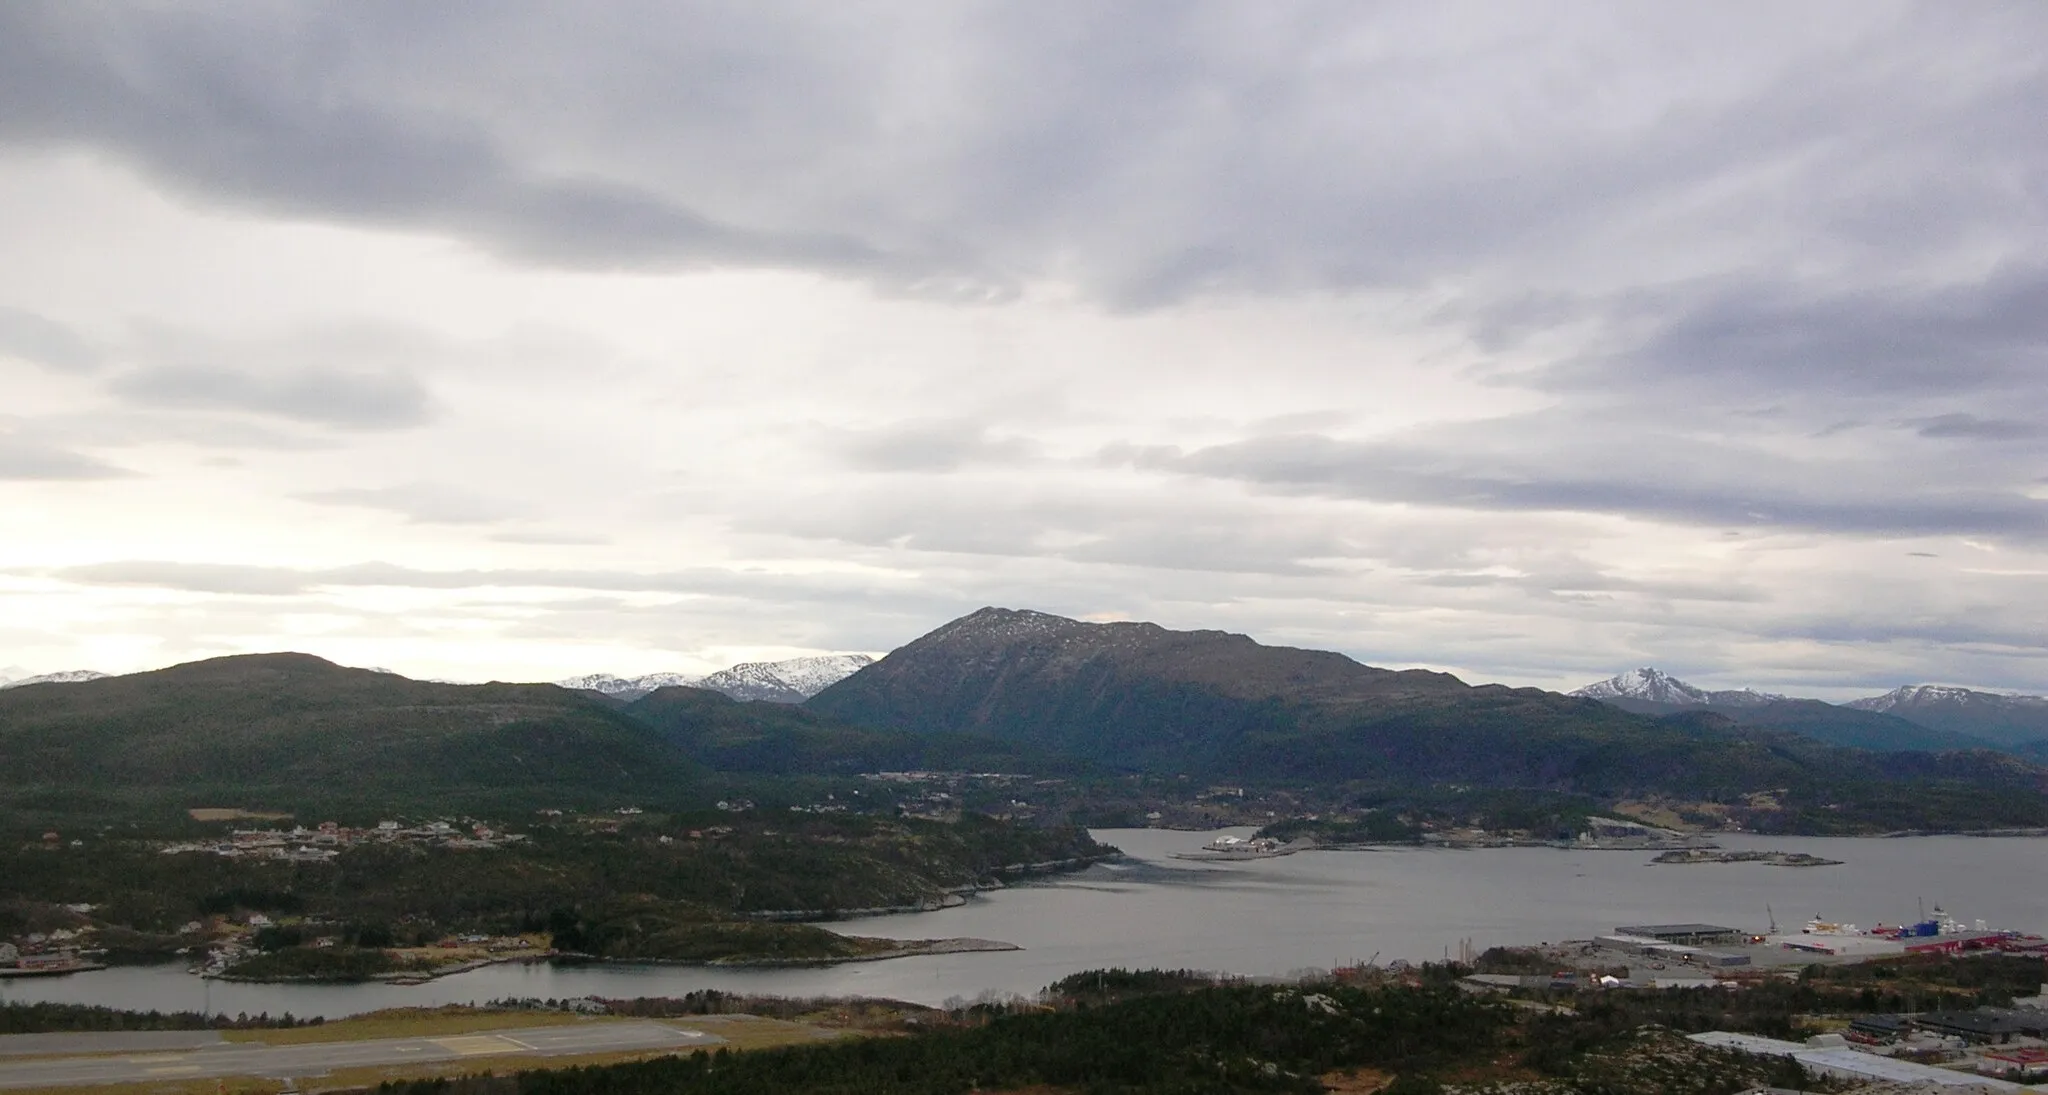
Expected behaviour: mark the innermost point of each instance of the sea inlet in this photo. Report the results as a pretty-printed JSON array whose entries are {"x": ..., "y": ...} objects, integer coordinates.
[{"x": 1313, "y": 910}]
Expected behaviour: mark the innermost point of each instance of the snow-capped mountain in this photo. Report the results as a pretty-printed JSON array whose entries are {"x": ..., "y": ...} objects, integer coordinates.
[
  {"x": 1648, "y": 685},
  {"x": 68, "y": 676},
  {"x": 2006, "y": 719},
  {"x": 1926, "y": 695},
  {"x": 626, "y": 688},
  {"x": 791, "y": 681}
]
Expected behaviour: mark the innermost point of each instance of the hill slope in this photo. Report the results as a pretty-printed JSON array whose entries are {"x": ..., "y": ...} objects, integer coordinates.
[
  {"x": 730, "y": 735},
  {"x": 285, "y": 729}
]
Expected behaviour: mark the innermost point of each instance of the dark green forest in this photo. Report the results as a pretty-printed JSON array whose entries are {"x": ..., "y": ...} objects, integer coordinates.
[{"x": 1119, "y": 1032}]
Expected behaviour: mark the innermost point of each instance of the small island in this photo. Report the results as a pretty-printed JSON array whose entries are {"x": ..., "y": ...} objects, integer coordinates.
[{"x": 1719, "y": 855}]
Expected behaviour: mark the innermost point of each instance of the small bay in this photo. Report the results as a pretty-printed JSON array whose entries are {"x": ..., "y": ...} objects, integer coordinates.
[{"x": 1258, "y": 917}]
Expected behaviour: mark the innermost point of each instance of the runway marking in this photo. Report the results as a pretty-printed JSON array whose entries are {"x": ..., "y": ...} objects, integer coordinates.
[
  {"x": 152, "y": 1058},
  {"x": 171, "y": 1070},
  {"x": 474, "y": 1044},
  {"x": 516, "y": 1042}
]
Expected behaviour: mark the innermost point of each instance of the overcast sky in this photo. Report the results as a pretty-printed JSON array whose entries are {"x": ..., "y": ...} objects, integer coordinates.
[{"x": 1528, "y": 341}]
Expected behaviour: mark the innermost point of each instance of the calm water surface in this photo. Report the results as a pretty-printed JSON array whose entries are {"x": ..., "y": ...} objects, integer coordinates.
[{"x": 1270, "y": 916}]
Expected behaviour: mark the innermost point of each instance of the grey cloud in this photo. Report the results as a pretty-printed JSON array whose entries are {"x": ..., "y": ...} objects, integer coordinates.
[
  {"x": 209, "y": 103},
  {"x": 1010, "y": 521},
  {"x": 1736, "y": 338},
  {"x": 421, "y": 503},
  {"x": 1971, "y": 427},
  {"x": 1147, "y": 150},
  {"x": 284, "y": 581},
  {"x": 1532, "y": 465},
  {"x": 192, "y": 577},
  {"x": 25, "y": 459},
  {"x": 340, "y": 398},
  {"x": 42, "y": 340},
  {"x": 936, "y": 445}
]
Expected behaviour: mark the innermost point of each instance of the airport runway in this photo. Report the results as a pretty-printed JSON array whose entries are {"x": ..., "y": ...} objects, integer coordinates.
[{"x": 315, "y": 1059}]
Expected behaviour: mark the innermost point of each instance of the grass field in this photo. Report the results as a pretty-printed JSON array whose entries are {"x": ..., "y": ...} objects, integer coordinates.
[{"x": 407, "y": 1023}]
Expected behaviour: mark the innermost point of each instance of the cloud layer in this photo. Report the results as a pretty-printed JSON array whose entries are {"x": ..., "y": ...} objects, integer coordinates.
[{"x": 1530, "y": 344}]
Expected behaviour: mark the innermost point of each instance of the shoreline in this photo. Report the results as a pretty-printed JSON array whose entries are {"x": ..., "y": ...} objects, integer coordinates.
[
  {"x": 952, "y": 897},
  {"x": 905, "y": 948},
  {"x": 908, "y": 948}
]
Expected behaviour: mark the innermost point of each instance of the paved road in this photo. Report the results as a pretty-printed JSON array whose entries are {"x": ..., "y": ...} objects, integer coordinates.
[{"x": 244, "y": 1059}]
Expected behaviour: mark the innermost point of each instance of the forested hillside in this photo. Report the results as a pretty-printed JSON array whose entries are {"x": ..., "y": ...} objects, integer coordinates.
[{"x": 294, "y": 732}]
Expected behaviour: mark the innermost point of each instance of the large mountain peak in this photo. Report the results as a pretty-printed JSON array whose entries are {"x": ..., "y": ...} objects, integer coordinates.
[
  {"x": 1653, "y": 685},
  {"x": 1128, "y": 692},
  {"x": 1648, "y": 685}
]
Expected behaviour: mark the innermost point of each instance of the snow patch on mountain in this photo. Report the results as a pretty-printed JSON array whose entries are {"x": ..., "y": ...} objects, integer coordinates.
[
  {"x": 1655, "y": 686},
  {"x": 792, "y": 681},
  {"x": 626, "y": 688},
  {"x": 68, "y": 676},
  {"x": 1922, "y": 695}
]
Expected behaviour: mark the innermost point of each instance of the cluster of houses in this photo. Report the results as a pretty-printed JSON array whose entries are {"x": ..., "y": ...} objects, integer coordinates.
[
  {"x": 303, "y": 845},
  {"x": 941, "y": 796}
]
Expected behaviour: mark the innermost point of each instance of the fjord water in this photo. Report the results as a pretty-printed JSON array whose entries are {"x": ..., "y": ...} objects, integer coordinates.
[{"x": 1258, "y": 917}]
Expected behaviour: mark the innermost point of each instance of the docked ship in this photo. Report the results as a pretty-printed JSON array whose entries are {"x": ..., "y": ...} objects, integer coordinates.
[
  {"x": 48, "y": 964},
  {"x": 1238, "y": 847},
  {"x": 1938, "y": 934}
]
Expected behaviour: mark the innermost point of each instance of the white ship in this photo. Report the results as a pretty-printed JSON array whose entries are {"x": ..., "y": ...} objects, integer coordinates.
[{"x": 1238, "y": 847}]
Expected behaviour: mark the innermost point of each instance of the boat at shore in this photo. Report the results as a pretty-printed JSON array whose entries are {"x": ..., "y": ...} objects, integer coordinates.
[
  {"x": 1238, "y": 847},
  {"x": 53, "y": 964}
]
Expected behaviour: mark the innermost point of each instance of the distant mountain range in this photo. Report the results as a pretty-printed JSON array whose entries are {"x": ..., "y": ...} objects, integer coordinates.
[
  {"x": 2011, "y": 720},
  {"x": 626, "y": 688},
  {"x": 793, "y": 680},
  {"x": 69, "y": 676},
  {"x": 1916, "y": 717},
  {"x": 297, "y": 732},
  {"x": 1011, "y": 690}
]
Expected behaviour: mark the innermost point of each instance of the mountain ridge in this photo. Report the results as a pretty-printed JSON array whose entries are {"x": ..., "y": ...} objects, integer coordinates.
[
  {"x": 1213, "y": 705},
  {"x": 792, "y": 680},
  {"x": 1649, "y": 691},
  {"x": 2007, "y": 719},
  {"x": 63, "y": 676}
]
